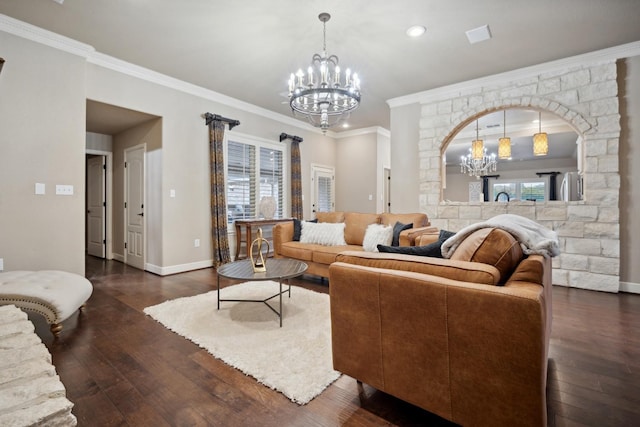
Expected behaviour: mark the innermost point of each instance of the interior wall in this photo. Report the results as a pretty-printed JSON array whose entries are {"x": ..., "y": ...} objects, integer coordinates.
[
  {"x": 184, "y": 159},
  {"x": 356, "y": 173},
  {"x": 42, "y": 137},
  {"x": 405, "y": 171},
  {"x": 629, "y": 84},
  {"x": 383, "y": 161}
]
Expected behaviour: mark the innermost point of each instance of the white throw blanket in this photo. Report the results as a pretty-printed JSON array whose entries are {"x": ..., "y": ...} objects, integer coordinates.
[{"x": 534, "y": 238}]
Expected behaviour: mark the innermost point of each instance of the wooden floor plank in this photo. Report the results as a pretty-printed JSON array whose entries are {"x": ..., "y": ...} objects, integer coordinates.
[{"x": 120, "y": 367}]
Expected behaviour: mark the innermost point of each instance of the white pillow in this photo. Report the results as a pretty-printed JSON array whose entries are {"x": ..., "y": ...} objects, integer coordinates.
[
  {"x": 377, "y": 234},
  {"x": 323, "y": 233}
]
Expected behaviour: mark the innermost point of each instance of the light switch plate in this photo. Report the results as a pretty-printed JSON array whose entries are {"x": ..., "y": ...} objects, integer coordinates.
[{"x": 40, "y": 188}]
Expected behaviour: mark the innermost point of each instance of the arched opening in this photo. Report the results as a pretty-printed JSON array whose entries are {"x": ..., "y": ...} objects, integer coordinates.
[{"x": 515, "y": 173}]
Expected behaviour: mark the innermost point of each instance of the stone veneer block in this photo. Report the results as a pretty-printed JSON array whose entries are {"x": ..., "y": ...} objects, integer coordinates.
[
  {"x": 574, "y": 262},
  {"x": 582, "y": 246},
  {"x": 582, "y": 213},
  {"x": 603, "y": 265},
  {"x": 597, "y": 282},
  {"x": 31, "y": 392},
  {"x": 569, "y": 229}
]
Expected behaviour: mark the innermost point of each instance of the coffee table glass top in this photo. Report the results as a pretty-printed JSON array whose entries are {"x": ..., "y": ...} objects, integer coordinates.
[{"x": 277, "y": 269}]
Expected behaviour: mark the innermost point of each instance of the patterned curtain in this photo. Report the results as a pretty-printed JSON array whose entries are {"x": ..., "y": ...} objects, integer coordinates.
[
  {"x": 219, "y": 235},
  {"x": 296, "y": 180}
]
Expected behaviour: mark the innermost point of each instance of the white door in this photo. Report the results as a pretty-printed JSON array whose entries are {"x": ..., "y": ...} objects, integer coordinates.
[
  {"x": 134, "y": 241},
  {"x": 96, "y": 209},
  {"x": 322, "y": 189}
]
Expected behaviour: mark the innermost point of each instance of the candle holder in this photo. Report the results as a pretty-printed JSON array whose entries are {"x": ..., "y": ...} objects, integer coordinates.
[{"x": 258, "y": 261}]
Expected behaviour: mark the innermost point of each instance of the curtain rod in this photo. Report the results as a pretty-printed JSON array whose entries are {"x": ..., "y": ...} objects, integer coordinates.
[
  {"x": 216, "y": 117},
  {"x": 294, "y": 138}
]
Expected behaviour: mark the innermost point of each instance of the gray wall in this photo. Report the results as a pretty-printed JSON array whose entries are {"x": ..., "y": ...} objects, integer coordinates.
[
  {"x": 405, "y": 132},
  {"x": 629, "y": 86}
]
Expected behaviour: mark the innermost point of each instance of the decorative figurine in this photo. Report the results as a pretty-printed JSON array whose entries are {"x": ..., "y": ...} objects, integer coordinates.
[{"x": 258, "y": 262}]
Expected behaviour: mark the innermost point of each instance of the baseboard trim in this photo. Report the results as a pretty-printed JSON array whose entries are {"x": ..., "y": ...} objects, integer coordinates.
[
  {"x": 633, "y": 288},
  {"x": 118, "y": 257},
  {"x": 180, "y": 268}
]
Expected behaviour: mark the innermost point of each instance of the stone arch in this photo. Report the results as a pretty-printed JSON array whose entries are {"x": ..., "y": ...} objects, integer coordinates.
[{"x": 574, "y": 118}]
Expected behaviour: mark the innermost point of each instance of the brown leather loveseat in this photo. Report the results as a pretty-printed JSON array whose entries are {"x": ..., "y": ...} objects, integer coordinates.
[
  {"x": 465, "y": 338},
  {"x": 319, "y": 257}
]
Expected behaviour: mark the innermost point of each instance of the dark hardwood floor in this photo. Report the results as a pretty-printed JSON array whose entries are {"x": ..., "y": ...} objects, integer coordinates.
[{"x": 120, "y": 367}]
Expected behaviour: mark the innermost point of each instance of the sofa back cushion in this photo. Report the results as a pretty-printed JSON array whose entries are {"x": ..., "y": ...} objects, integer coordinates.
[
  {"x": 491, "y": 246},
  {"x": 417, "y": 219},
  {"x": 356, "y": 226},
  {"x": 330, "y": 216}
]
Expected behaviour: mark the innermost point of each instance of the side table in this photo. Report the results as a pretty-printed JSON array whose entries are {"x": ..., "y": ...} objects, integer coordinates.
[{"x": 250, "y": 225}]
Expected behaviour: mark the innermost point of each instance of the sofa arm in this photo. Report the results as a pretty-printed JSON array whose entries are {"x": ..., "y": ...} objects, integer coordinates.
[
  {"x": 408, "y": 237},
  {"x": 282, "y": 233},
  {"x": 465, "y": 271}
]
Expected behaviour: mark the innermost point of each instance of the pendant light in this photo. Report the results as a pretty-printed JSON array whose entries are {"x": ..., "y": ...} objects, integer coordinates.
[
  {"x": 504, "y": 143},
  {"x": 540, "y": 140},
  {"x": 477, "y": 146}
]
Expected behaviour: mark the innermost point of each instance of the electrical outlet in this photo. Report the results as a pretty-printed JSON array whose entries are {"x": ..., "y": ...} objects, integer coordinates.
[
  {"x": 1, "y": 264},
  {"x": 64, "y": 190},
  {"x": 196, "y": 243}
]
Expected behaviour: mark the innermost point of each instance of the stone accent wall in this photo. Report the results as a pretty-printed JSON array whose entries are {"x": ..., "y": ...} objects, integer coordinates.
[
  {"x": 31, "y": 393},
  {"x": 587, "y": 98}
]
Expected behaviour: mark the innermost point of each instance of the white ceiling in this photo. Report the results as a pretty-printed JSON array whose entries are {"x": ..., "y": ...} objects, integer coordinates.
[{"x": 247, "y": 49}]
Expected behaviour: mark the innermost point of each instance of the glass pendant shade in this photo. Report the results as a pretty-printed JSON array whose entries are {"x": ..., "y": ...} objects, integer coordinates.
[
  {"x": 504, "y": 148},
  {"x": 540, "y": 140},
  {"x": 477, "y": 149},
  {"x": 540, "y": 144}
]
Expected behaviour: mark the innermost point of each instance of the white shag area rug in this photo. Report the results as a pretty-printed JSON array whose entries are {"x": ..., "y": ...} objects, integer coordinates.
[{"x": 294, "y": 360}]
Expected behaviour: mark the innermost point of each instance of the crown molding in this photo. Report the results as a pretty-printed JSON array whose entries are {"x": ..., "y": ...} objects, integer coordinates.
[
  {"x": 363, "y": 131},
  {"x": 605, "y": 55},
  {"x": 47, "y": 38},
  {"x": 57, "y": 41}
]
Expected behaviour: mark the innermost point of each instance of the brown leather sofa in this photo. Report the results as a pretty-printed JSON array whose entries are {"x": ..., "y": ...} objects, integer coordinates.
[
  {"x": 465, "y": 338},
  {"x": 319, "y": 257}
]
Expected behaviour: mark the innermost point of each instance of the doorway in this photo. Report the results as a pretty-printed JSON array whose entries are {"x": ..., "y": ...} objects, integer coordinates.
[
  {"x": 322, "y": 189},
  {"x": 98, "y": 200}
]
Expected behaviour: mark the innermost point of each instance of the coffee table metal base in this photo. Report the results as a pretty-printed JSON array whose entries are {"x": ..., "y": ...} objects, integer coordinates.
[
  {"x": 277, "y": 269},
  {"x": 265, "y": 301}
]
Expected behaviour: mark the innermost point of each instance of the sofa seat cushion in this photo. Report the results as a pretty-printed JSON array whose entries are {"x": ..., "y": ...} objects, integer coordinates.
[
  {"x": 491, "y": 246},
  {"x": 328, "y": 254},
  {"x": 356, "y": 226},
  {"x": 456, "y": 270}
]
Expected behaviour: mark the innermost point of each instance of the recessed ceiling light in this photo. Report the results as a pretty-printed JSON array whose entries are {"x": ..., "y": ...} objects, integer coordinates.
[
  {"x": 479, "y": 34},
  {"x": 416, "y": 31},
  {"x": 345, "y": 125}
]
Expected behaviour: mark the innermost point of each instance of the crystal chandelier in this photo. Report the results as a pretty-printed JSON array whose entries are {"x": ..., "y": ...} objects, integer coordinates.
[
  {"x": 478, "y": 162},
  {"x": 324, "y": 98}
]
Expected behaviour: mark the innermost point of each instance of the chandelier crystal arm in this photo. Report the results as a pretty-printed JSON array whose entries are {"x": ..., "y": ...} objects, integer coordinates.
[{"x": 322, "y": 98}]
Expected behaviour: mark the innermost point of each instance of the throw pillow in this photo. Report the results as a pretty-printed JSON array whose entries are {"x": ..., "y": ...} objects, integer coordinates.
[
  {"x": 323, "y": 233},
  {"x": 297, "y": 228},
  {"x": 376, "y": 234},
  {"x": 432, "y": 249},
  {"x": 397, "y": 229}
]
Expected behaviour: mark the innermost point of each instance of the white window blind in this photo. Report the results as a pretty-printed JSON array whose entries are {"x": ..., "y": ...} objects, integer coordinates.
[
  {"x": 241, "y": 181},
  {"x": 271, "y": 177},
  {"x": 255, "y": 170},
  {"x": 325, "y": 196}
]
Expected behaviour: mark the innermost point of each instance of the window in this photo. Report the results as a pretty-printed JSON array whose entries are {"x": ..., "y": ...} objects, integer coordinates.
[
  {"x": 255, "y": 170},
  {"x": 532, "y": 189}
]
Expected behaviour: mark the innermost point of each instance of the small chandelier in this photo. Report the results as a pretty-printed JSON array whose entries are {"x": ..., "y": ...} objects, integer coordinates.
[
  {"x": 478, "y": 166},
  {"x": 540, "y": 140},
  {"x": 504, "y": 143},
  {"x": 325, "y": 98}
]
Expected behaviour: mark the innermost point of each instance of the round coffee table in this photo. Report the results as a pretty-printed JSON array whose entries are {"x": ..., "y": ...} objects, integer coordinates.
[{"x": 277, "y": 269}]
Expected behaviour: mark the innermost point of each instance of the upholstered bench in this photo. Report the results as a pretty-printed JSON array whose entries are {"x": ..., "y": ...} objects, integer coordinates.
[{"x": 56, "y": 295}]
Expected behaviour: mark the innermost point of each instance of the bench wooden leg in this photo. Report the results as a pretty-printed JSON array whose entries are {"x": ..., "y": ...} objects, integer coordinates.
[{"x": 56, "y": 328}]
